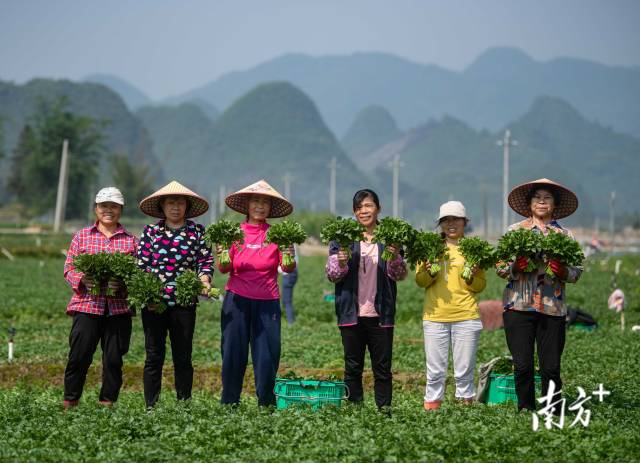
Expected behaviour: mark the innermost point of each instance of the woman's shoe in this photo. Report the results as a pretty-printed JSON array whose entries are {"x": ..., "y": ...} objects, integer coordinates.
[
  {"x": 432, "y": 405},
  {"x": 67, "y": 404}
]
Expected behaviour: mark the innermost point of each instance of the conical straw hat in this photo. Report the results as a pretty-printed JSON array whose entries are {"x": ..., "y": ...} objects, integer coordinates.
[
  {"x": 567, "y": 200},
  {"x": 151, "y": 204},
  {"x": 239, "y": 201}
]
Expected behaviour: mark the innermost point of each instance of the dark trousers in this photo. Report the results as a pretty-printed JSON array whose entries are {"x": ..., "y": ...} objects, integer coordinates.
[
  {"x": 256, "y": 323},
  {"x": 114, "y": 334},
  {"x": 522, "y": 330},
  {"x": 355, "y": 339},
  {"x": 180, "y": 323},
  {"x": 288, "y": 282}
]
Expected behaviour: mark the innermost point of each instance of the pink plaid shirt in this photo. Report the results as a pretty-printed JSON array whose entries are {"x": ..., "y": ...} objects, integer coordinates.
[{"x": 91, "y": 241}]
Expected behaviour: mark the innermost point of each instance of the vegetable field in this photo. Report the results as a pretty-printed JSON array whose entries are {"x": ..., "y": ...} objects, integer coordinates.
[{"x": 34, "y": 427}]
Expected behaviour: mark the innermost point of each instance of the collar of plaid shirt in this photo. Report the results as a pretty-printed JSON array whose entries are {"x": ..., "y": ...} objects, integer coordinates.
[{"x": 119, "y": 229}]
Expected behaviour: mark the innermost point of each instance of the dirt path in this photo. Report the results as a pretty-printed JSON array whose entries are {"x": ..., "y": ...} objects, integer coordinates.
[{"x": 204, "y": 378}]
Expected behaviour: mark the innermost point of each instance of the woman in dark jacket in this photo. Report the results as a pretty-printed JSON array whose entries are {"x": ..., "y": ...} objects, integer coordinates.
[{"x": 366, "y": 302}]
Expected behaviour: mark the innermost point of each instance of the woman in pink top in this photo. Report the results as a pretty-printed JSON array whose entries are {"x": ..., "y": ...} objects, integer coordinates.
[
  {"x": 366, "y": 302},
  {"x": 251, "y": 308}
]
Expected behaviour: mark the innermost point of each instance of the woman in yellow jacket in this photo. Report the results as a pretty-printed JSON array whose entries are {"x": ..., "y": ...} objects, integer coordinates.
[{"x": 450, "y": 314}]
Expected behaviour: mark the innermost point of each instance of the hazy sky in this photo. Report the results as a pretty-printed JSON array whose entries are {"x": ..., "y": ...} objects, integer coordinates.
[{"x": 168, "y": 47}]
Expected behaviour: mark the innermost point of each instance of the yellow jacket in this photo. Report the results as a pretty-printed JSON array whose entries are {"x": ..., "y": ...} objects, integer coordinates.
[{"x": 448, "y": 298}]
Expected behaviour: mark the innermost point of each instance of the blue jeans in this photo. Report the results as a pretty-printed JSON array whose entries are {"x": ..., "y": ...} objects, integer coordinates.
[
  {"x": 249, "y": 322},
  {"x": 288, "y": 282}
]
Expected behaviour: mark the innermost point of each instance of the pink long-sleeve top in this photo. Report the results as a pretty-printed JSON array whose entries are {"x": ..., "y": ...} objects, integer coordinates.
[{"x": 254, "y": 265}]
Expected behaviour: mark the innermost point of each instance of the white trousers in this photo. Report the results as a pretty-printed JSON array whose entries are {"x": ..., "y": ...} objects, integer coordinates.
[{"x": 463, "y": 337}]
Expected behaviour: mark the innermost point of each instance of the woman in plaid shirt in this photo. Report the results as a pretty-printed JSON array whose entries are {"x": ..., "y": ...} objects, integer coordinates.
[{"x": 98, "y": 318}]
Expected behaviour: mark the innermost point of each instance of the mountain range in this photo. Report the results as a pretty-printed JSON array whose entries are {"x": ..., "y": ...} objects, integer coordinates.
[
  {"x": 276, "y": 128},
  {"x": 498, "y": 87}
]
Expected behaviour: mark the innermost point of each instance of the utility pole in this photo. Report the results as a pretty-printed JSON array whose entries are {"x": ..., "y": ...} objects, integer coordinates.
[
  {"x": 333, "y": 166},
  {"x": 221, "y": 203},
  {"x": 485, "y": 213},
  {"x": 92, "y": 204},
  {"x": 213, "y": 211},
  {"x": 506, "y": 143},
  {"x": 287, "y": 184},
  {"x": 61, "y": 198},
  {"x": 395, "y": 166},
  {"x": 612, "y": 201}
]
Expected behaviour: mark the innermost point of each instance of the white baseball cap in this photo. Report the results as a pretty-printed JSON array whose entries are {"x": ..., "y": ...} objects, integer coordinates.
[
  {"x": 452, "y": 209},
  {"x": 110, "y": 194}
]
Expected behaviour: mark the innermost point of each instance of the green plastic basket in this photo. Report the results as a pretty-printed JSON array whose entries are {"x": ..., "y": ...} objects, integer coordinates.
[
  {"x": 502, "y": 388},
  {"x": 309, "y": 392},
  {"x": 582, "y": 327}
]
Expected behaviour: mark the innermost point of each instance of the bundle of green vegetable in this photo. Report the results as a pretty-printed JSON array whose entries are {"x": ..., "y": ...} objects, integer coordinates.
[
  {"x": 123, "y": 265},
  {"x": 103, "y": 266},
  {"x": 342, "y": 231},
  {"x": 224, "y": 233},
  {"x": 286, "y": 234},
  {"x": 393, "y": 231},
  {"x": 476, "y": 252},
  {"x": 188, "y": 288},
  {"x": 427, "y": 246},
  {"x": 563, "y": 248},
  {"x": 520, "y": 243},
  {"x": 143, "y": 290}
]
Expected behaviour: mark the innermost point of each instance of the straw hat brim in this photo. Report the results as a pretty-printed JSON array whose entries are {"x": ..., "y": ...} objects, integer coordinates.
[
  {"x": 239, "y": 202},
  {"x": 197, "y": 205},
  {"x": 567, "y": 199}
]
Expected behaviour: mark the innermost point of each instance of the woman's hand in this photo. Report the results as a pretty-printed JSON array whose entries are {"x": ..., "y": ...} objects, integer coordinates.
[
  {"x": 521, "y": 264},
  {"x": 343, "y": 257},
  {"x": 393, "y": 249},
  {"x": 115, "y": 285},
  {"x": 558, "y": 268},
  {"x": 425, "y": 266},
  {"x": 219, "y": 250},
  {"x": 88, "y": 282},
  {"x": 206, "y": 285},
  {"x": 474, "y": 271},
  {"x": 152, "y": 307},
  {"x": 291, "y": 250}
]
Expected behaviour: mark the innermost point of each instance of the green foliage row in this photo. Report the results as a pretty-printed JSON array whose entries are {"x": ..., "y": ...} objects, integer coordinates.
[
  {"x": 202, "y": 430},
  {"x": 393, "y": 231}
]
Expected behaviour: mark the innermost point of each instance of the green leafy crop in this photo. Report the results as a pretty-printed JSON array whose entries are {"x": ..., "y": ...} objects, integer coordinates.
[
  {"x": 476, "y": 252},
  {"x": 342, "y": 231},
  {"x": 427, "y": 246},
  {"x": 188, "y": 288},
  {"x": 563, "y": 248},
  {"x": 520, "y": 243},
  {"x": 143, "y": 290},
  {"x": 393, "y": 231},
  {"x": 285, "y": 234},
  {"x": 224, "y": 233},
  {"x": 103, "y": 266}
]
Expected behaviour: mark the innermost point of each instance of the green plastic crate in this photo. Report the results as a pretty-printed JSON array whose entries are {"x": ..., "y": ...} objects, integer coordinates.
[
  {"x": 309, "y": 392},
  {"x": 582, "y": 327},
  {"x": 502, "y": 388}
]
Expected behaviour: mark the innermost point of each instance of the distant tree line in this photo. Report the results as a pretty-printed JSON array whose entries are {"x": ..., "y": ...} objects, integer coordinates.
[{"x": 35, "y": 162}]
